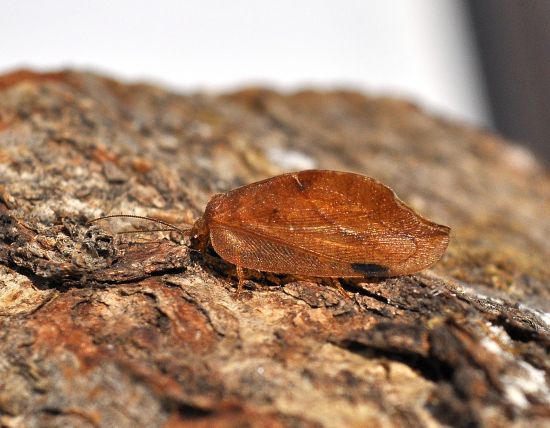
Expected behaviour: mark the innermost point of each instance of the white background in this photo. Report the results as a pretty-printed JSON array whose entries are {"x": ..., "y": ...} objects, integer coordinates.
[{"x": 418, "y": 49}]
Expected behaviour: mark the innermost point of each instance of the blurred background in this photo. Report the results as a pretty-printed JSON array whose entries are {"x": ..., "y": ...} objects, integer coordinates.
[{"x": 484, "y": 62}]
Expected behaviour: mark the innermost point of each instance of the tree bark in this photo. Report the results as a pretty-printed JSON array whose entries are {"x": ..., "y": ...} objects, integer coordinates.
[{"x": 99, "y": 329}]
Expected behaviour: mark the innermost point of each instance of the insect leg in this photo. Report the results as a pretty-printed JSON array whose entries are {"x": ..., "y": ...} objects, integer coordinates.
[
  {"x": 240, "y": 275},
  {"x": 336, "y": 284}
]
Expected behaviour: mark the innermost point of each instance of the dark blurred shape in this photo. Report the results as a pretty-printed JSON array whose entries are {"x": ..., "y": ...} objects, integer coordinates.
[{"x": 514, "y": 43}]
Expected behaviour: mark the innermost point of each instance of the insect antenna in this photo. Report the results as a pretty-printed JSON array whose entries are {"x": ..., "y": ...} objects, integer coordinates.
[{"x": 169, "y": 227}]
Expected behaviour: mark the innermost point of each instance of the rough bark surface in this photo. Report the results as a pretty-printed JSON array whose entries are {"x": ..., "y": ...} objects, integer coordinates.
[{"x": 103, "y": 330}]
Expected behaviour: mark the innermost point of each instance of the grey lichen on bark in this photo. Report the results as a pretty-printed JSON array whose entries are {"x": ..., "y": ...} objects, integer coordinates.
[{"x": 100, "y": 330}]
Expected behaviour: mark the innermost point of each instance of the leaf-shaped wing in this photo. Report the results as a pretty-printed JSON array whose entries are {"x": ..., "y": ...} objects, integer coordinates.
[{"x": 323, "y": 223}]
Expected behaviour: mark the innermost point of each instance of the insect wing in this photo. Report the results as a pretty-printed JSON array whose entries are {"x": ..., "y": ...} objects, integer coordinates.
[{"x": 324, "y": 223}]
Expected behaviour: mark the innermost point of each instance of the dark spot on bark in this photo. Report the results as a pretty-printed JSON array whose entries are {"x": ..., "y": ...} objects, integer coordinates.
[{"x": 370, "y": 269}]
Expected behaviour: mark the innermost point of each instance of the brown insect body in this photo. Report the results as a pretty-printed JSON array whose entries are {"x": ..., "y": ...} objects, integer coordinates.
[{"x": 319, "y": 223}]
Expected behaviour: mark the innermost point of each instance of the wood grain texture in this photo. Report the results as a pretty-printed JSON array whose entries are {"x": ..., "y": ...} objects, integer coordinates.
[{"x": 100, "y": 331}]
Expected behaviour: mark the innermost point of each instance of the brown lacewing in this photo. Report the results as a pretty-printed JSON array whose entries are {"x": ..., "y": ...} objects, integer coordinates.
[{"x": 318, "y": 223}]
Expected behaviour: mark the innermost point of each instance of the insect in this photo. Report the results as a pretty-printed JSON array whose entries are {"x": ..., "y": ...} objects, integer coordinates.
[{"x": 318, "y": 223}]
